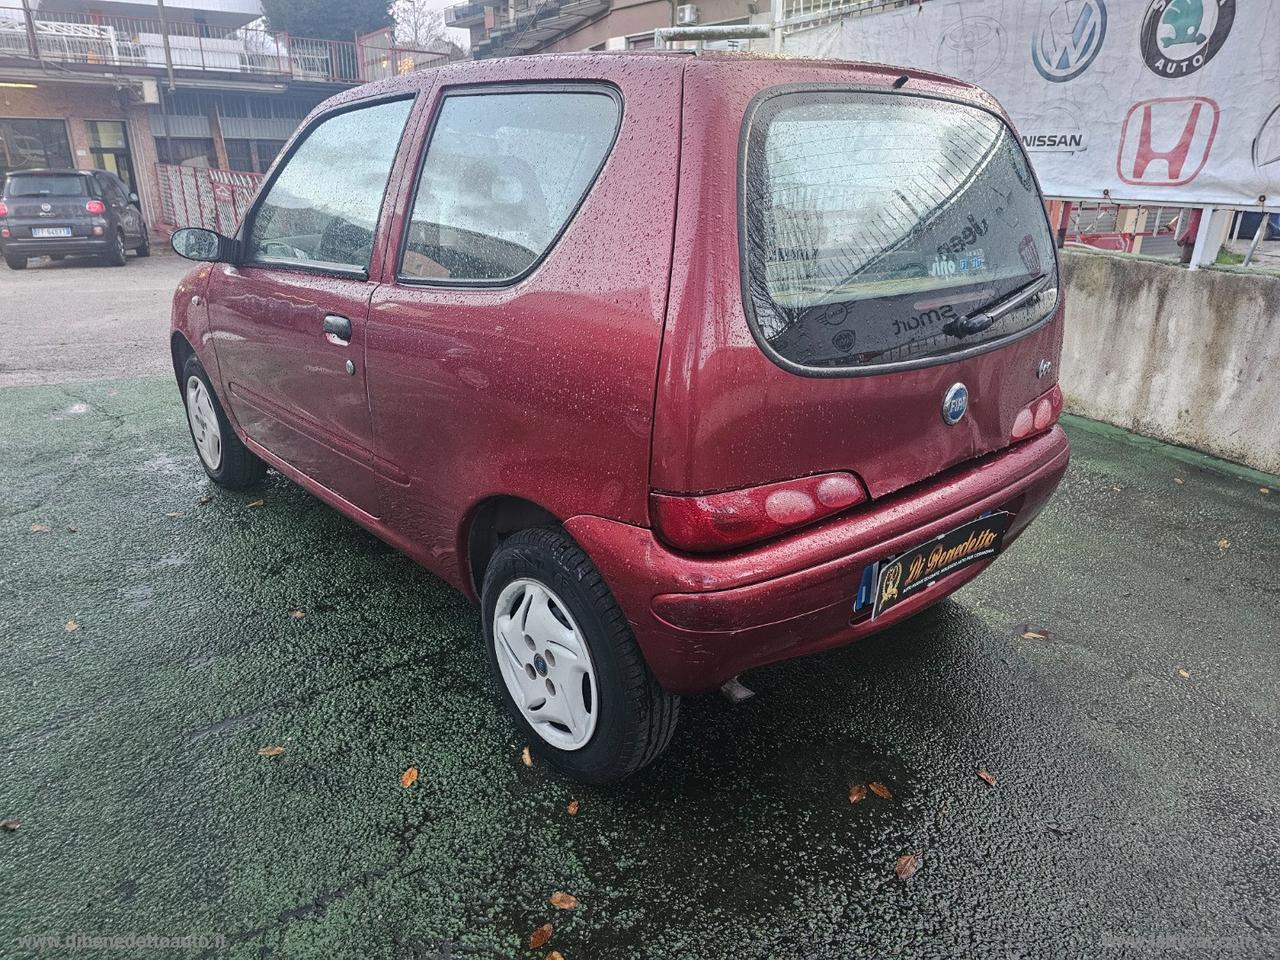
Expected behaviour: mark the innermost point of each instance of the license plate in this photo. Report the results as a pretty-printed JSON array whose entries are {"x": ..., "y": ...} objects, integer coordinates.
[
  {"x": 43, "y": 232},
  {"x": 908, "y": 573}
]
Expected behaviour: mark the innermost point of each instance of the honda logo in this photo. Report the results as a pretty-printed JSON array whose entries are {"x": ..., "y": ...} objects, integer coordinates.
[{"x": 1165, "y": 142}]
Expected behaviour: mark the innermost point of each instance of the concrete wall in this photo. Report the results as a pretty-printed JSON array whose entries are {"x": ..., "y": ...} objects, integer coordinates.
[{"x": 1192, "y": 357}]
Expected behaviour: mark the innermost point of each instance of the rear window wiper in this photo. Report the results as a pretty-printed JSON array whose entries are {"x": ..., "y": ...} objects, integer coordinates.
[{"x": 985, "y": 316}]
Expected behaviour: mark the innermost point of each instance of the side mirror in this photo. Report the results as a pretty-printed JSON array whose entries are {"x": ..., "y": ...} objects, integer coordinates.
[
  {"x": 133, "y": 198},
  {"x": 197, "y": 243}
]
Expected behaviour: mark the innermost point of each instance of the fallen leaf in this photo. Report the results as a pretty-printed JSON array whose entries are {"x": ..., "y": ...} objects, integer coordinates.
[
  {"x": 526, "y": 757},
  {"x": 857, "y": 793},
  {"x": 880, "y": 790},
  {"x": 10, "y": 825},
  {"x": 1265, "y": 491},
  {"x": 1224, "y": 545},
  {"x": 540, "y": 936},
  {"x": 1116, "y": 489},
  {"x": 1058, "y": 829},
  {"x": 573, "y": 808},
  {"x": 72, "y": 626},
  {"x": 986, "y": 776},
  {"x": 175, "y": 513},
  {"x": 203, "y": 500},
  {"x": 1184, "y": 673},
  {"x": 409, "y": 777},
  {"x": 1179, "y": 481},
  {"x": 297, "y": 614},
  {"x": 908, "y": 865},
  {"x": 563, "y": 901},
  {"x": 270, "y": 751},
  {"x": 554, "y": 955},
  {"x": 39, "y": 528},
  {"x": 1034, "y": 635},
  {"x": 257, "y": 503},
  {"x": 73, "y": 530}
]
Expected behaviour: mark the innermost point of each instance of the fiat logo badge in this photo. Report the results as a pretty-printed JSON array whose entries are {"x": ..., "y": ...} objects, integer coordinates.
[
  {"x": 954, "y": 403},
  {"x": 45, "y": 207}
]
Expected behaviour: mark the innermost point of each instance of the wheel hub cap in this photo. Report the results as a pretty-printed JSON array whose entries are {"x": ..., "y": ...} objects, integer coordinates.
[
  {"x": 204, "y": 423},
  {"x": 545, "y": 664}
]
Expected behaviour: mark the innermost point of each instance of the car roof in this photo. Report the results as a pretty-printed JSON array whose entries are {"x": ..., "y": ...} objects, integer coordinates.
[
  {"x": 52, "y": 172},
  {"x": 601, "y": 64}
]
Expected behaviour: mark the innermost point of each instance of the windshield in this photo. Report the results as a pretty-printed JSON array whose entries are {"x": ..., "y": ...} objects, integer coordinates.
[
  {"x": 877, "y": 226},
  {"x": 46, "y": 185}
]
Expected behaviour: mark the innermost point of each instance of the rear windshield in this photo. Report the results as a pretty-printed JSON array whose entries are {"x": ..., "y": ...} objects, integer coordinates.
[
  {"x": 52, "y": 185},
  {"x": 885, "y": 228}
]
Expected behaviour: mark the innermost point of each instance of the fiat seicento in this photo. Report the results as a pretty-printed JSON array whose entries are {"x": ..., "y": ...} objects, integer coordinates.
[{"x": 679, "y": 365}]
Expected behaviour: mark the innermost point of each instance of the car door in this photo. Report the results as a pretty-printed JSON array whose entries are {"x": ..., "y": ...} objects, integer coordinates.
[
  {"x": 122, "y": 213},
  {"x": 288, "y": 318}
]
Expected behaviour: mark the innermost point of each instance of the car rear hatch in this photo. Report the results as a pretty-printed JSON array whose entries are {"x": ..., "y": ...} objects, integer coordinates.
[
  {"x": 52, "y": 204},
  {"x": 884, "y": 241}
]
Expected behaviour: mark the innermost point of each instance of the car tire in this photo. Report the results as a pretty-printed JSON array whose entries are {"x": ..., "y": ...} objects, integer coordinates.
[
  {"x": 227, "y": 461},
  {"x": 115, "y": 257},
  {"x": 57, "y": 257},
  {"x": 15, "y": 263},
  {"x": 608, "y": 717},
  {"x": 144, "y": 248}
]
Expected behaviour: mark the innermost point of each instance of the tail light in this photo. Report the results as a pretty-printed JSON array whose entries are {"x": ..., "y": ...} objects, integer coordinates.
[
  {"x": 1038, "y": 415},
  {"x": 96, "y": 207},
  {"x": 4, "y": 211},
  {"x": 720, "y": 521}
]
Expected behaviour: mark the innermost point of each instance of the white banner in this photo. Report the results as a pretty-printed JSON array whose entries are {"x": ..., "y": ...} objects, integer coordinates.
[{"x": 1158, "y": 101}]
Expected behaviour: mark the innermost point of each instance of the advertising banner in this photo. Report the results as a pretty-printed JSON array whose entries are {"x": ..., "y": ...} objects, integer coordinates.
[{"x": 1153, "y": 101}]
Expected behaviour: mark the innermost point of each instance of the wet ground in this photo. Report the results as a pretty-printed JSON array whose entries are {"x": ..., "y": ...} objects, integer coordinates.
[{"x": 1116, "y": 673}]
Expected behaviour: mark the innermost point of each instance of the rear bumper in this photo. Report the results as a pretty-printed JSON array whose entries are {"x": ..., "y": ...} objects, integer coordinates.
[
  {"x": 65, "y": 246},
  {"x": 702, "y": 619}
]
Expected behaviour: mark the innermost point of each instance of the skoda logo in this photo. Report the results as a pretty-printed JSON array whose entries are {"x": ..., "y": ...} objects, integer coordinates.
[
  {"x": 1179, "y": 37},
  {"x": 955, "y": 403},
  {"x": 1070, "y": 39}
]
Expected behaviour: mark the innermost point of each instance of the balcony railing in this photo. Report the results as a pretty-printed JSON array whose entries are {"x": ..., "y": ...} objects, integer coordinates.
[{"x": 128, "y": 42}]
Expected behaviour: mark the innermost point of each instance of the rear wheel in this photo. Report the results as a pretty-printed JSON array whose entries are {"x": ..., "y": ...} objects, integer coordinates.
[
  {"x": 115, "y": 257},
  {"x": 566, "y": 662},
  {"x": 226, "y": 460},
  {"x": 56, "y": 257},
  {"x": 15, "y": 262}
]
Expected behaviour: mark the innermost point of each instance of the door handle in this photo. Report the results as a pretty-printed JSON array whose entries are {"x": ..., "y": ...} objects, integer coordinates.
[{"x": 337, "y": 329}]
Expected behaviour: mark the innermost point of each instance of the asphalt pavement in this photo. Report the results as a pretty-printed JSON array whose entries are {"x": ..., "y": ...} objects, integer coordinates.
[{"x": 1115, "y": 673}]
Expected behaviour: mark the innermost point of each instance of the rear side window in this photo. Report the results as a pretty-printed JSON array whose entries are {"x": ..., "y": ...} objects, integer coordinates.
[
  {"x": 64, "y": 185},
  {"x": 322, "y": 208},
  {"x": 885, "y": 229},
  {"x": 502, "y": 177}
]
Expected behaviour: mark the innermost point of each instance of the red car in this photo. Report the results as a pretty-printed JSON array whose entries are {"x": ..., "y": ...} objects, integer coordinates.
[{"x": 679, "y": 365}]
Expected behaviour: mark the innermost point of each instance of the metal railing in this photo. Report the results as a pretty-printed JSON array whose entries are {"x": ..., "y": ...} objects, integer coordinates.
[
  {"x": 110, "y": 41},
  {"x": 203, "y": 197}
]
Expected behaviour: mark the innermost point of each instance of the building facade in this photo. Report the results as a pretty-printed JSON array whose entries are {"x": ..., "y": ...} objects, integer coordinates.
[
  {"x": 501, "y": 28},
  {"x": 138, "y": 88}
]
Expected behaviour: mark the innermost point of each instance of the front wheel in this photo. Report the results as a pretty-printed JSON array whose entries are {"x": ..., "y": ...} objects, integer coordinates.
[
  {"x": 227, "y": 461},
  {"x": 566, "y": 662}
]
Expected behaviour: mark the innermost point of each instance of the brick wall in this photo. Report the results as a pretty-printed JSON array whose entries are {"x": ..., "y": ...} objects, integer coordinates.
[{"x": 78, "y": 103}]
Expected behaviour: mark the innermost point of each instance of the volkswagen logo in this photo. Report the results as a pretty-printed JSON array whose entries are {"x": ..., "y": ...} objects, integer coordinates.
[
  {"x": 1070, "y": 39},
  {"x": 954, "y": 403}
]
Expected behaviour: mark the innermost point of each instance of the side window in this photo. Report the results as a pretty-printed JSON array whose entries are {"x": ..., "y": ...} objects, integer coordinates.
[
  {"x": 322, "y": 209},
  {"x": 502, "y": 176},
  {"x": 109, "y": 190}
]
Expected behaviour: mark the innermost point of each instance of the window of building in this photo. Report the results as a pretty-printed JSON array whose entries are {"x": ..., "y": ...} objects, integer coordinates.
[
  {"x": 322, "y": 208},
  {"x": 33, "y": 145},
  {"x": 109, "y": 147},
  {"x": 186, "y": 151},
  {"x": 503, "y": 175}
]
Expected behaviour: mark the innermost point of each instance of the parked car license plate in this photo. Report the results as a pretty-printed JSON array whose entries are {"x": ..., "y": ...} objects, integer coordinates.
[
  {"x": 909, "y": 573},
  {"x": 43, "y": 232}
]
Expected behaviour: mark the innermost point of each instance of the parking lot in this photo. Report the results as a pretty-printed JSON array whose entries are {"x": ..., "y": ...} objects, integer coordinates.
[{"x": 1115, "y": 673}]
